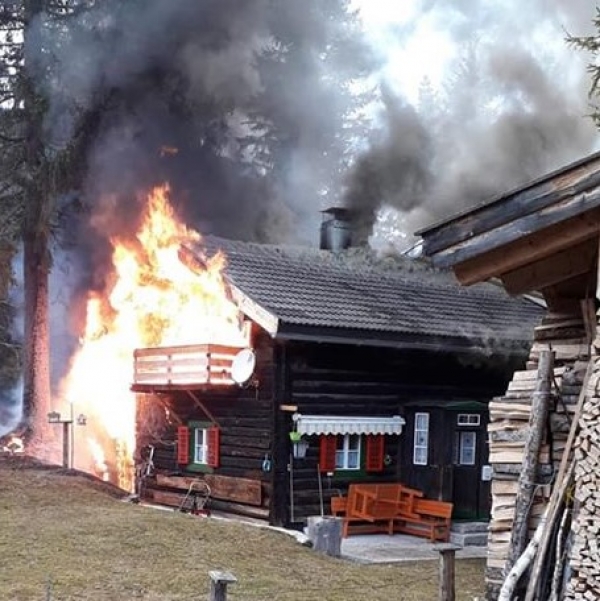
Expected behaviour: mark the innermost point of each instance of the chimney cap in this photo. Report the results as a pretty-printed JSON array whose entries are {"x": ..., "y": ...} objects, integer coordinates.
[{"x": 338, "y": 213}]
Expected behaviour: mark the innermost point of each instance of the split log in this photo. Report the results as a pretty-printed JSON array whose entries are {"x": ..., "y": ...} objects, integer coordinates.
[
  {"x": 539, "y": 412},
  {"x": 561, "y": 483}
]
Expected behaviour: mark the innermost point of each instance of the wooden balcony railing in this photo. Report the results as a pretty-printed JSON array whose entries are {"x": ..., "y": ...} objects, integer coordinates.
[{"x": 182, "y": 366}]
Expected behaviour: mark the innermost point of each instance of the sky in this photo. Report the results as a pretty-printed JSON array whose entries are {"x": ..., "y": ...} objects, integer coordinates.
[
  {"x": 427, "y": 51},
  {"x": 412, "y": 42}
]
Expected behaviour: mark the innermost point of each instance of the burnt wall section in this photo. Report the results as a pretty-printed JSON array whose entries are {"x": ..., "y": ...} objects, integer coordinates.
[
  {"x": 242, "y": 482},
  {"x": 347, "y": 380}
]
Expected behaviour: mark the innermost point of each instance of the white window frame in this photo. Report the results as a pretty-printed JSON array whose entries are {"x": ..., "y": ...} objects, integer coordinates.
[
  {"x": 346, "y": 450},
  {"x": 421, "y": 449},
  {"x": 461, "y": 446},
  {"x": 201, "y": 450},
  {"x": 468, "y": 419}
]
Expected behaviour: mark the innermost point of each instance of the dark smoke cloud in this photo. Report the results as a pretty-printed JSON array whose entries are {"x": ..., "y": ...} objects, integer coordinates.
[
  {"x": 185, "y": 75},
  {"x": 397, "y": 167},
  {"x": 509, "y": 111}
]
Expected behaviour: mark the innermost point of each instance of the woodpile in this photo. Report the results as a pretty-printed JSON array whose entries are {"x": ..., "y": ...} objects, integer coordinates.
[
  {"x": 508, "y": 430},
  {"x": 584, "y": 583}
]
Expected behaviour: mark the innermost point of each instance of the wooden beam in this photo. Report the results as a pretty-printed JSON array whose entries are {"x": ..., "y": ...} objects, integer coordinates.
[
  {"x": 502, "y": 236},
  {"x": 203, "y": 407},
  {"x": 511, "y": 206},
  {"x": 167, "y": 406},
  {"x": 560, "y": 266},
  {"x": 529, "y": 249}
]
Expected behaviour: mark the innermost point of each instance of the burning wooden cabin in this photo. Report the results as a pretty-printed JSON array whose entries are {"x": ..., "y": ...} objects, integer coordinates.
[
  {"x": 542, "y": 237},
  {"x": 361, "y": 370}
]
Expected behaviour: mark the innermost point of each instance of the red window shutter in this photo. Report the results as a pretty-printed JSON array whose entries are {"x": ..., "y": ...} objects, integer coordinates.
[
  {"x": 183, "y": 445},
  {"x": 327, "y": 453},
  {"x": 213, "y": 443},
  {"x": 375, "y": 451}
]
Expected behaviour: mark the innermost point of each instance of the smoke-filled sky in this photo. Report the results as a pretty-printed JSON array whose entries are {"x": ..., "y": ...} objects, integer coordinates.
[
  {"x": 481, "y": 96},
  {"x": 470, "y": 98}
]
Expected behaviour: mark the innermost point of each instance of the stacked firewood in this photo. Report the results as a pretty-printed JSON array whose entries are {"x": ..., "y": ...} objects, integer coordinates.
[
  {"x": 508, "y": 433},
  {"x": 584, "y": 561}
]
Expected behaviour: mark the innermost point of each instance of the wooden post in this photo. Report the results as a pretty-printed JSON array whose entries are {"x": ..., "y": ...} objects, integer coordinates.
[
  {"x": 526, "y": 487},
  {"x": 65, "y": 442},
  {"x": 447, "y": 553},
  {"x": 218, "y": 585}
]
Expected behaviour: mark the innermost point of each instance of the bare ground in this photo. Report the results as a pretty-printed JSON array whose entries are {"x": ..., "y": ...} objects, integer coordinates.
[{"x": 65, "y": 535}]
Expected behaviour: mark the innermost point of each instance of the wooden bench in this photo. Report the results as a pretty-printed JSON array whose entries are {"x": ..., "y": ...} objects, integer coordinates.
[
  {"x": 371, "y": 508},
  {"x": 338, "y": 505},
  {"x": 429, "y": 518}
]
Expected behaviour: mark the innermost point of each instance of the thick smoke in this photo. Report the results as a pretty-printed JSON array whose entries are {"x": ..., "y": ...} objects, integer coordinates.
[
  {"x": 182, "y": 90},
  {"x": 509, "y": 111}
]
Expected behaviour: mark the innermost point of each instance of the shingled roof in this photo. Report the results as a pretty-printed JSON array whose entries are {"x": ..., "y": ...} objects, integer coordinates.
[{"x": 354, "y": 296}]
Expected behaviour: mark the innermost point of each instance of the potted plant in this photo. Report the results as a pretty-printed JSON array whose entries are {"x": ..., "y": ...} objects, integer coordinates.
[{"x": 295, "y": 436}]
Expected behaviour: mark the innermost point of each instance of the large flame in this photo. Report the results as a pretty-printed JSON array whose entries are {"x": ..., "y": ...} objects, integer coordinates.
[{"x": 154, "y": 300}]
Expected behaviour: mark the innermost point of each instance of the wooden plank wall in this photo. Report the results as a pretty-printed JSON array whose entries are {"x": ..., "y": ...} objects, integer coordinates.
[
  {"x": 353, "y": 381},
  {"x": 508, "y": 427},
  {"x": 245, "y": 416}
]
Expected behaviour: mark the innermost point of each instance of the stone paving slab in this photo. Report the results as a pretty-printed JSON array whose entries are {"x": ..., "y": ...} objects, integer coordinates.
[{"x": 382, "y": 548}]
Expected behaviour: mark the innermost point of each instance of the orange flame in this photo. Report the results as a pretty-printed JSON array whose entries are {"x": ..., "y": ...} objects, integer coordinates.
[{"x": 154, "y": 300}]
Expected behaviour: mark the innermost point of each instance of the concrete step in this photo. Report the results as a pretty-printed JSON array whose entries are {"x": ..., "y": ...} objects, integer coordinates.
[
  {"x": 469, "y": 527},
  {"x": 469, "y": 539}
]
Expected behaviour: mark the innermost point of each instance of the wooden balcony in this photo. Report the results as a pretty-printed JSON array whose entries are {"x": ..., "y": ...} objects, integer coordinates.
[{"x": 182, "y": 367}]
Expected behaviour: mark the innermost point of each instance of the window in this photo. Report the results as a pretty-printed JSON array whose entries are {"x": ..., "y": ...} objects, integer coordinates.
[
  {"x": 347, "y": 452},
  {"x": 421, "y": 440},
  {"x": 465, "y": 448},
  {"x": 200, "y": 446},
  {"x": 343, "y": 452},
  {"x": 468, "y": 419},
  {"x": 466, "y": 454}
]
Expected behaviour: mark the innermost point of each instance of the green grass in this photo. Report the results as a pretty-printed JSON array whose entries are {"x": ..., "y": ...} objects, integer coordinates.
[{"x": 73, "y": 532}]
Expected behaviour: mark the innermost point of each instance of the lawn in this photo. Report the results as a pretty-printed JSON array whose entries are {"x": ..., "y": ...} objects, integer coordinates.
[{"x": 65, "y": 536}]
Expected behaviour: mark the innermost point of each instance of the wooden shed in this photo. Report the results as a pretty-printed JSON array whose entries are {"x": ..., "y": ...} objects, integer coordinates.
[
  {"x": 542, "y": 237},
  {"x": 383, "y": 367}
]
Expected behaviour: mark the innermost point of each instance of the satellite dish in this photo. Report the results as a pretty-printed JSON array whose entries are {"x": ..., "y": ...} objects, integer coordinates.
[{"x": 243, "y": 365}]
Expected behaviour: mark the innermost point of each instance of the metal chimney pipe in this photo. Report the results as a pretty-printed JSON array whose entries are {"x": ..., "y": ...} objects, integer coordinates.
[{"x": 336, "y": 229}]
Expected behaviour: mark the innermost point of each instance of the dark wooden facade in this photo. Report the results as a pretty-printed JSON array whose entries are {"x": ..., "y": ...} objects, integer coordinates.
[{"x": 257, "y": 475}]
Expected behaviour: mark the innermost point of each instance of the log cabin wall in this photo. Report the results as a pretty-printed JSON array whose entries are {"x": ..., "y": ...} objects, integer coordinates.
[
  {"x": 565, "y": 334},
  {"x": 240, "y": 484},
  {"x": 347, "y": 380}
]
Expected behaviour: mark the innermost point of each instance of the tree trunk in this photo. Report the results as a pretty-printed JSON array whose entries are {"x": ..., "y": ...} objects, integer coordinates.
[
  {"x": 36, "y": 351},
  {"x": 36, "y": 264}
]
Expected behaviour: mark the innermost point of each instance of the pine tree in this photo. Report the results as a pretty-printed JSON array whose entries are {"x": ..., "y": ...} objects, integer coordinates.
[{"x": 591, "y": 44}]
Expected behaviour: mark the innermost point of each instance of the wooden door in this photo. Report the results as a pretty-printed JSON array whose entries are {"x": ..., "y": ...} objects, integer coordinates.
[
  {"x": 425, "y": 453},
  {"x": 471, "y": 479}
]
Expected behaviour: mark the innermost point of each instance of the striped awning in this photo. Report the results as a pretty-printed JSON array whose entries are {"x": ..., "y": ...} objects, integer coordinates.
[{"x": 342, "y": 424}]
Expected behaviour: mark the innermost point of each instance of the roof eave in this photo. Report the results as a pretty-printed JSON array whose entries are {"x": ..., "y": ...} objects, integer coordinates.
[{"x": 397, "y": 340}]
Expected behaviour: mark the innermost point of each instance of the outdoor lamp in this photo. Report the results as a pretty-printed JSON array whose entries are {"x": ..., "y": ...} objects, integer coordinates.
[
  {"x": 54, "y": 417},
  {"x": 299, "y": 448}
]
